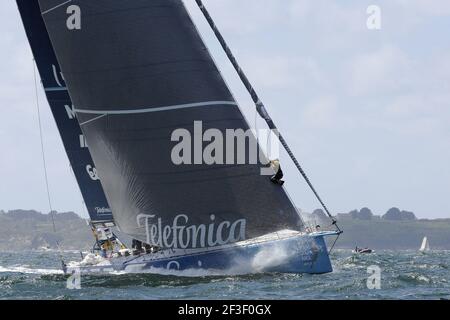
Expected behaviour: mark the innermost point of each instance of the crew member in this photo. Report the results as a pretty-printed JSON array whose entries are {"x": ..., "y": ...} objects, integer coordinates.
[
  {"x": 136, "y": 245},
  {"x": 275, "y": 165},
  {"x": 105, "y": 240}
]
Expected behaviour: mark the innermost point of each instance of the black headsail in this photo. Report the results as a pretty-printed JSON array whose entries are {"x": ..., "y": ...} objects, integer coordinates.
[
  {"x": 62, "y": 109},
  {"x": 138, "y": 73}
]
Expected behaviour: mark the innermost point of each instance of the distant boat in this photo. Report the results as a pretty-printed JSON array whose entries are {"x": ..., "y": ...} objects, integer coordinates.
[
  {"x": 363, "y": 250},
  {"x": 425, "y": 247}
]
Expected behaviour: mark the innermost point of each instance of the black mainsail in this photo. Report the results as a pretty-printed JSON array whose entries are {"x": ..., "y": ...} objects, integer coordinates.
[
  {"x": 138, "y": 71},
  {"x": 62, "y": 109}
]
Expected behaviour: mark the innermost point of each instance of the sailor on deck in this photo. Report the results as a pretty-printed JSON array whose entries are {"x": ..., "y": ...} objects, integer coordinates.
[{"x": 105, "y": 240}]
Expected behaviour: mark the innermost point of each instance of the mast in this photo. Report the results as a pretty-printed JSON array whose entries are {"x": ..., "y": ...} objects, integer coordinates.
[{"x": 63, "y": 113}]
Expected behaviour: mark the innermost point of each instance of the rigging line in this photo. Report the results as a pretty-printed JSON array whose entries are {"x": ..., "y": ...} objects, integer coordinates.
[
  {"x": 79, "y": 191},
  {"x": 260, "y": 106},
  {"x": 334, "y": 243},
  {"x": 256, "y": 128},
  {"x": 55, "y": 7},
  {"x": 42, "y": 146},
  {"x": 93, "y": 119},
  {"x": 45, "y": 163}
]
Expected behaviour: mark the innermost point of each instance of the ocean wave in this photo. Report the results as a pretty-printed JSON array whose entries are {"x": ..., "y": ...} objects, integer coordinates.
[
  {"x": 25, "y": 269},
  {"x": 404, "y": 275}
]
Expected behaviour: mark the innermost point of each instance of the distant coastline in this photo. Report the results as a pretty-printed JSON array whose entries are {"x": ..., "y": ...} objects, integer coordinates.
[
  {"x": 30, "y": 230},
  {"x": 396, "y": 230}
]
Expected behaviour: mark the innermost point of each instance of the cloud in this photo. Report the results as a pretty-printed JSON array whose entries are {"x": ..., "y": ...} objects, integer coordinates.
[
  {"x": 300, "y": 9},
  {"x": 282, "y": 72},
  {"x": 243, "y": 17},
  {"x": 380, "y": 72},
  {"x": 321, "y": 113},
  {"x": 434, "y": 8}
]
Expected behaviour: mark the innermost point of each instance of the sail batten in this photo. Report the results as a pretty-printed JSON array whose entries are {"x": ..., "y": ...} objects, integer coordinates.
[
  {"x": 154, "y": 199},
  {"x": 158, "y": 109},
  {"x": 52, "y": 89}
]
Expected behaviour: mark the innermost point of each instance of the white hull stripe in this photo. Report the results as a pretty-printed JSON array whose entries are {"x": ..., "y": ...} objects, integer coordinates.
[{"x": 158, "y": 109}]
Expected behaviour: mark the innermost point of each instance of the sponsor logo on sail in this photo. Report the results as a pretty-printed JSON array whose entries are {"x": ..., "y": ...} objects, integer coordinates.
[
  {"x": 59, "y": 78},
  {"x": 102, "y": 210},
  {"x": 92, "y": 171},
  {"x": 180, "y": 235}
]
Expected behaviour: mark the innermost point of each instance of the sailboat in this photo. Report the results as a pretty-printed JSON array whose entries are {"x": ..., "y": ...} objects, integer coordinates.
[
  {"x": 124, "y": 79},
  {"x": 425, "y": 247}
]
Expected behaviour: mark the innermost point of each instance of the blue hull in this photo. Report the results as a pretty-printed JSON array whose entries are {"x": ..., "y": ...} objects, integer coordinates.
[{"x": 294, "y": 254}]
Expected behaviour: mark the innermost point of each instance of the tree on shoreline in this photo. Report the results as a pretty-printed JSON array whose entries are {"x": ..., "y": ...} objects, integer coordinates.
[
  {"x": 394, "y": 214},
  {"x": 363, "y": 214}
]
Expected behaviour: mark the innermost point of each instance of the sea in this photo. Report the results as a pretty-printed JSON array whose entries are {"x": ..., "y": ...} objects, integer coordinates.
[{"x": 390, "y": 275}]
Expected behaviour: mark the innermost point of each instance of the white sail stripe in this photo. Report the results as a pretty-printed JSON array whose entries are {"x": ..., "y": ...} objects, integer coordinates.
[
  {"x": 56, "y": 7},
  {"x": 51, "y": 89},
  {"x": 92, "y": 120},
  {"x": 157, "y": 109}
]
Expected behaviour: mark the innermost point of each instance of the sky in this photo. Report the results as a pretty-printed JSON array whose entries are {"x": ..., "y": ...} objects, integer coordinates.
[{"x": 367, "y": 112}]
